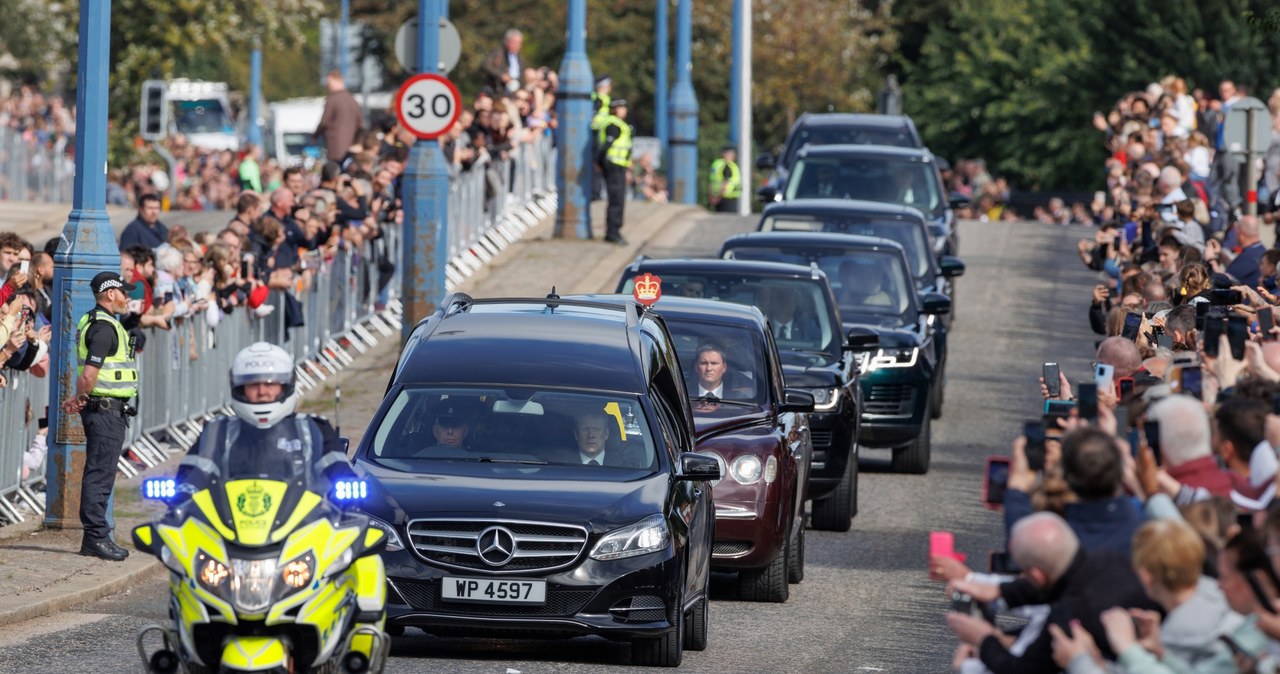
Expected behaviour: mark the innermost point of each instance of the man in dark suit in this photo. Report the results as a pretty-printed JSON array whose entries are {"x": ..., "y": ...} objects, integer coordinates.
[
  {"x": 714, "y": 378},
  {"x": 503, "y": 67},
  {"x": 593, "y": 430},
  {"x": 789, "y": 324}
]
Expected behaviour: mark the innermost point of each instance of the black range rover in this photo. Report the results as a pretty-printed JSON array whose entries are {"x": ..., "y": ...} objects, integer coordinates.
[
  {"x": 814, "y": 352},
  {"x": 901, "y": 378},
  {"x": 533, "y": 459}
]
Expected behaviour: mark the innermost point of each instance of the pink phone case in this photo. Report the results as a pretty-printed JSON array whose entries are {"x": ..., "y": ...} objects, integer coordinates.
[{"x": 943, "y": 544}]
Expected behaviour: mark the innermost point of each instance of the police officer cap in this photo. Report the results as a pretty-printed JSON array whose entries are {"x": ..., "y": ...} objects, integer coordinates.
[
  {"x": 108, "y": 280},
  {"x": 617, "y": 103},
  {"x": 728, "y": 148},
  {"x": 450, "y": 413},
  {"x": 603, "y": 80}
]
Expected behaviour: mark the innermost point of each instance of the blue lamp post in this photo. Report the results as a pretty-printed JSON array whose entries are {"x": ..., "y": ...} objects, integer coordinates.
[
  {"x": 88, "y": 247},
  {"x": 254, "y": 132},
  {"x": 344, "y": 27},
  {"x": 573, "y": 182},
  {"x": 660, "y": 51},
  {"x": 684, "y": 113},
  {"x": 735, "y": 77},
  {"x": 426, "y": 189}
]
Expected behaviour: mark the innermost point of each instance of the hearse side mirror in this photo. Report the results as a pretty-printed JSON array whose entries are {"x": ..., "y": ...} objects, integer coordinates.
[
  {"x": 862, "y": 339},
  {"x": 796, "y": 400},
  {"x": 698, "y": 467},
  {"x": 951, "y": 266},
  {"x": 935, "y": 303}
]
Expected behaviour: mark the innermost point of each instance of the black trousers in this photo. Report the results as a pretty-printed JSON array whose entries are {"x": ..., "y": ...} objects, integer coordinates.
[
  {"x": 727, "y": 205},
  {"x": 104, "y": 433},
  {"x": 615, "y": 184}
]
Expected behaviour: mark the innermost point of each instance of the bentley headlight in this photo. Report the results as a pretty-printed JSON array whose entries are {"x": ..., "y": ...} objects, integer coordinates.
[
  {"x": 825, "y": 399},
  {"x": 648, "y": 535},
  {"x": 771, "y": 470},
  {"x": 745, "y": 469},
  {"x": 393, "y": 538},
  {"x": 252, "y": 583}
]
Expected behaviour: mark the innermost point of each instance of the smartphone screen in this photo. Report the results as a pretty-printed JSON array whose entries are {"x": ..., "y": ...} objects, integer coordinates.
[
  {"x": 1164, "y": 341},
  {"x": 1033, "y": 431},
  {"x": 1237, "y": 335},
  {"x": 24, "y": 266},
  {"x": 1266, "y": 321},
  {"x": 1190, "y": 381},
  {"x": 1052, "y": 380},
  {"x": 1087, "y": 400},
  {"x": 1202, "y": 311},
  {"x": 1225, "y": 297},
  {"x": 1132, "y": 324},
  {"x": 996, "y": 480},
  {"x": 1214, "y": 326},
  {"x": 1126, "y": 387},
  {"x": 1151, "y": 430}
]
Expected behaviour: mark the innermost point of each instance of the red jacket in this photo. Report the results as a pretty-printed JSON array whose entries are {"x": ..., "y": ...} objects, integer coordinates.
[{"x": 1203, "y": 472}]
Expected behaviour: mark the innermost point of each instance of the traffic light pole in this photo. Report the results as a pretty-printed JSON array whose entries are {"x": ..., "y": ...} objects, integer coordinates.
[
  {"x": 88, "y": 247},
  {"x": 426, "y": 197}
]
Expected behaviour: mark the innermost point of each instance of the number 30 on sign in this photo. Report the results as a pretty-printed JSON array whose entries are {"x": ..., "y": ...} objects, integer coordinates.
[{"x": 427, "y": 105}]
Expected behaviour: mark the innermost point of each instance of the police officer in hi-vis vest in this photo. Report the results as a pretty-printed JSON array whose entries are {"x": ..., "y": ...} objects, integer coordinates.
[
  {"x": 724, "y": 184},
  {"x": 107, "y": 380},
  {"x": 615, "y": 156}
]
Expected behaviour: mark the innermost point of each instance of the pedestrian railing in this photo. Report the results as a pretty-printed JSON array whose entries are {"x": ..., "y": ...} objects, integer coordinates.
[
  {"x": 34, "y": 167},
  {"x": 349, "y": 304}
]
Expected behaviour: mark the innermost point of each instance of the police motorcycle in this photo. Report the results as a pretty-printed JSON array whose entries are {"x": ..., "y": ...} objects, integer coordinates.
[{"x": 267, "y": 572}]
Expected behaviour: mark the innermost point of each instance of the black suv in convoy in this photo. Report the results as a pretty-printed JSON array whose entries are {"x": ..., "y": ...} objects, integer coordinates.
[
  {"x": 836, "y": 128},
  {"x": 815, "y": 356},
  {"x": 901, "y": 379},
  {"x": 757, "y": 430},
  {"x": 533, "y": 462},
  {"x": 893, "y": 175}
]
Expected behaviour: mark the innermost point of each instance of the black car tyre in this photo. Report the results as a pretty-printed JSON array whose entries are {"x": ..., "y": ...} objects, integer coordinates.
[
  {"x": 936, "y": 396},
  {"x": 394, "y": 630},
  {"x": 834, "y": 512},
  {"x": 695, "y": 625},
  {"x": 795, "y": 565},
  {"x": 770, "y": 583},
  {"x": 665, "y": 651},
  {"x": 914, "y": 458}
]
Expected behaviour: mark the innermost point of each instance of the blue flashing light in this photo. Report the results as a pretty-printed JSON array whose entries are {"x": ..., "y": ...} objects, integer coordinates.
[
  {"x": 159, "y": 488},
  {"x": 350, "y": 490}
]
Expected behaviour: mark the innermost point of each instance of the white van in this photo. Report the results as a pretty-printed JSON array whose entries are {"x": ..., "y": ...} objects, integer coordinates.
[
  {"x": 289, "y": 127},
  {"x": 201, "y": 112}
]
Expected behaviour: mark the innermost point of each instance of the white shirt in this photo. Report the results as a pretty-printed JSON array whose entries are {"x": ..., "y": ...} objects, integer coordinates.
[
  {"x": 717, "y": 391},
  {"x": 784, "y": 330},
  {"x": 513, "y": 66},
  {"x": 587, "y": 458}
]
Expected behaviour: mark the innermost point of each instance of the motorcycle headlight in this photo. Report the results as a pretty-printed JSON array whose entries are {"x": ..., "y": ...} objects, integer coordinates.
[
  {"x": 253, "y": 583},
  {"x": 745, "y": 469},
  {"x": 213, "y": 574},
  {"x": 648, "y": 535},
  {"x": 298, "y": 573},
  {"x": 825, "y": 399},
  {"x": 393, "y": 538},
  {"x": 887, "y": 358}
]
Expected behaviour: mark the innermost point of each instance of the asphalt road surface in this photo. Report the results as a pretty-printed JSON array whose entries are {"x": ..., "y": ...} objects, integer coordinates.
[{"x": 866, "y": 604}]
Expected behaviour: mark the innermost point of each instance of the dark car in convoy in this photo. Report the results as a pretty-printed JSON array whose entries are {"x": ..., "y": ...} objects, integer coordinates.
[
  {"x": 901, "y": 378},
  {"x": 833, "y": 128},
  {"x": 816, "y": 355},
  {"x": 901, "y": 224},
  {"x": 758, "y": 431},
  {"x": 533, "y": 460},
  {"x": 893, "y": 175}
]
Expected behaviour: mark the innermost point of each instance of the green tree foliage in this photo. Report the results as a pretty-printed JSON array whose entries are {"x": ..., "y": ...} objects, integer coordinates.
[{"x": 33, "y": 36}]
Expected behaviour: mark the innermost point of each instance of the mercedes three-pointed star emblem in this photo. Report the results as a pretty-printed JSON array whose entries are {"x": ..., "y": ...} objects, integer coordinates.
[{"x": 496, "y": 546}]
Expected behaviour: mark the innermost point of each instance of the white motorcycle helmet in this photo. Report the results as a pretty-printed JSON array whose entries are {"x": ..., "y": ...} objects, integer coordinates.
[{"x": 263, "y": 362}]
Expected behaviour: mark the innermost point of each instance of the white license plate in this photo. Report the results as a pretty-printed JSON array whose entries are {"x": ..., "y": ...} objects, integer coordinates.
[{"x": 494, "y": 591}]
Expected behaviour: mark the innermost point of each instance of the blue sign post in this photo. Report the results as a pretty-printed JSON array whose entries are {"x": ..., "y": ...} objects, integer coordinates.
[
  {"x": 254, "y": 132},
  {"x": 426, "y": 180},
  {"x": 88, "y": 247},
  {"x": 573, "y": 181},
  {"x": 661, "y": 48},
  {"x": 684, "y": 113}
]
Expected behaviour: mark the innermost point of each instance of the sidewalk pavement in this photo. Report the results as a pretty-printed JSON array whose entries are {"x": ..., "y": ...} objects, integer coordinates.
[{"x": 41, "y": 571}]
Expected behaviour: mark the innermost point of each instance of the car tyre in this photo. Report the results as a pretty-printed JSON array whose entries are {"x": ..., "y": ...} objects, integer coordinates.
[
  {"x": 695, "y": 626},
  {"x": 834, "y": 512},
  {"x": 394, "y": 630},
  {"x": 914, "y": 458},
  {"x": 666, "y": 650},
  {"x": 795, "y": 565},
  {"x": 936, "y": 397},
  {"x": 769, "y": 584}
]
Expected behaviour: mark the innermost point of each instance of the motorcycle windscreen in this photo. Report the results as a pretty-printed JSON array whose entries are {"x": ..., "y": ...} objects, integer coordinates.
[{"x": 254, "y": 506}]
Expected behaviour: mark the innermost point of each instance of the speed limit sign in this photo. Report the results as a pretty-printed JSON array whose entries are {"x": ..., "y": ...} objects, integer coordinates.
[{"x": 427, "y": 105}]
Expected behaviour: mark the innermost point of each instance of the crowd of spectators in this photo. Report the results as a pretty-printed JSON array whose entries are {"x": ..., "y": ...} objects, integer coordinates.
[
  {"x": 988, "y": 197},
  {"x": 1143, "y": 532}
]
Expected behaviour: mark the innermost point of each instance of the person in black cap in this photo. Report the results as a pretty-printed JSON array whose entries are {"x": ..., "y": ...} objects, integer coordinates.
[
  {"x": 107, "y": 379},
  {"x": 450, "y": 424},
  {"x": 614, "y": 155}
]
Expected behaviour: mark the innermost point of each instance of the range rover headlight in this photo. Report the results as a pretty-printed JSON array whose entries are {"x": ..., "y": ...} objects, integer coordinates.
[
  {"x": 648, "y": 535},
  {"x": 889, "y": 358},
  {"x": 825, "y": 399},
  {"x": 746, "y": 469}
]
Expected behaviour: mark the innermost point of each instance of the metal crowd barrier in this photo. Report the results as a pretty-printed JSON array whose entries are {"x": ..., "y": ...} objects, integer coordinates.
[
  {"x": 349, "y": 304},
  {"x": 31, "y": 170}
]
